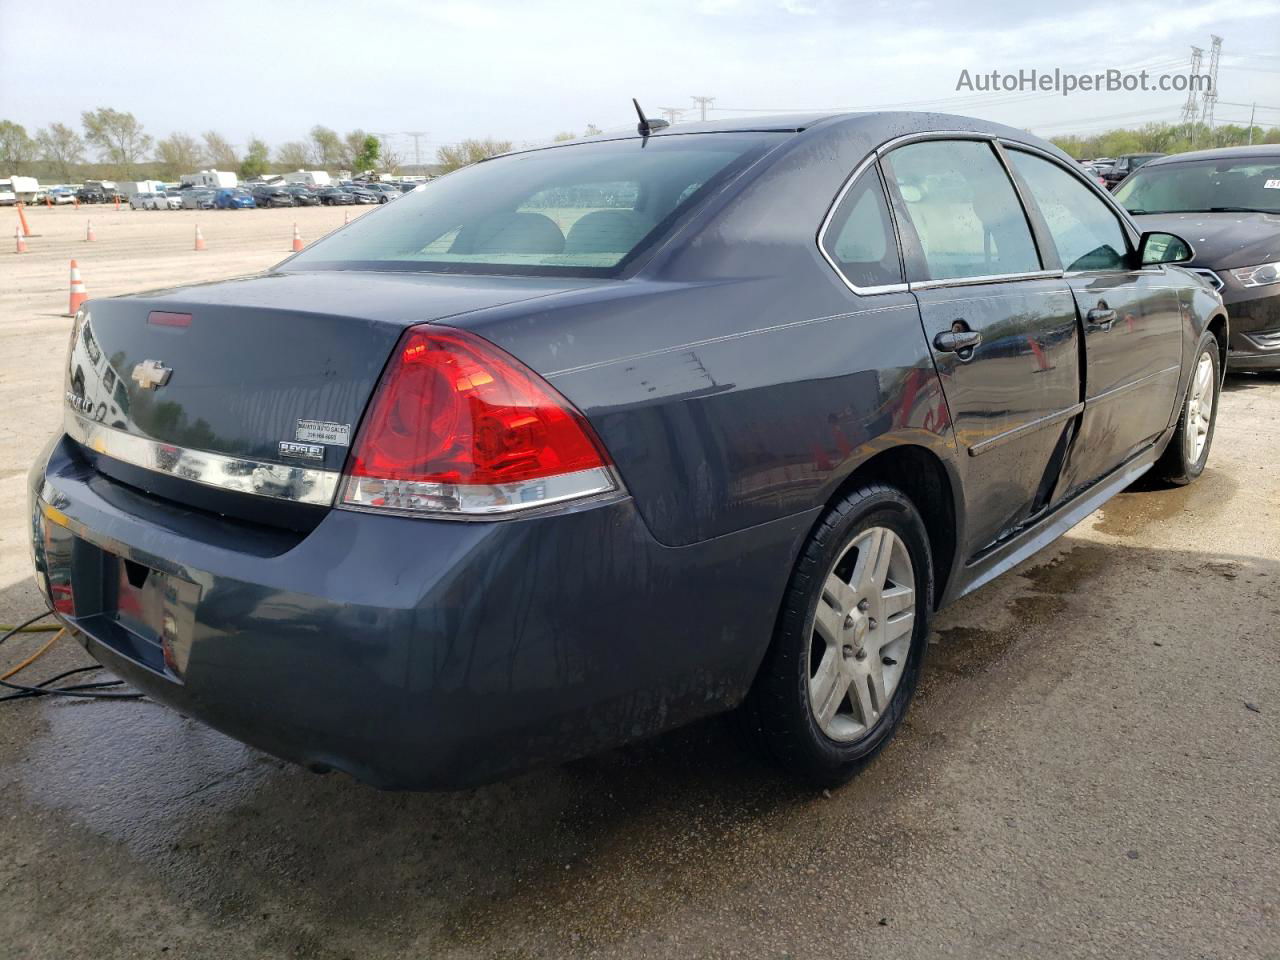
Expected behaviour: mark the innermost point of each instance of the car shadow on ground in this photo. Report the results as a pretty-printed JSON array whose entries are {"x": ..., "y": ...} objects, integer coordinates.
[
  {"x": 1262, "y": 380},
  {"x": 592, "y": 849}
]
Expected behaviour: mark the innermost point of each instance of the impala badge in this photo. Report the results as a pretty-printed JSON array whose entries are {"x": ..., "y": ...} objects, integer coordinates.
[{"x": 150, "y": 374}]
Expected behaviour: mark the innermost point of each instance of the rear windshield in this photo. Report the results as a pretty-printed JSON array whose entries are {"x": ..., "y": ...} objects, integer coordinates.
[
  {"x": 580, "y": 210},
  {"x": 1204, "y": 186}
]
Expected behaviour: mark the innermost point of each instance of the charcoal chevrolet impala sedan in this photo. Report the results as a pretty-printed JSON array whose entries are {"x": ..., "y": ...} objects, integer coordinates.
[{"x": 582, "y": 443}]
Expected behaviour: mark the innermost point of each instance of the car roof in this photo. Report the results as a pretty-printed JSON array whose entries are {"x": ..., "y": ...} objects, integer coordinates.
[
  {"x": 1262, "y": 150},
  {"x": 877, "y": 126}
]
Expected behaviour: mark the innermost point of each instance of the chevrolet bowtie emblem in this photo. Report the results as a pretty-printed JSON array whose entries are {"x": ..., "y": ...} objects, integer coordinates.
[{"x": 150, "y": 374}]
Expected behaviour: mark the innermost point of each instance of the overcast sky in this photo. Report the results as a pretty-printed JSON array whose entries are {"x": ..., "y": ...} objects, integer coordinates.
[{"x": 526, "y": 69}]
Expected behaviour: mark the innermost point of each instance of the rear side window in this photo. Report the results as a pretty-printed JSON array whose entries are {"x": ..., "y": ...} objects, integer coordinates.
[
  {"x": 1087, "y": 234},
  {"x": 860, "y": 239},
  {"x": 963, "y": 208},
  {"x": 581, "y": 210}
]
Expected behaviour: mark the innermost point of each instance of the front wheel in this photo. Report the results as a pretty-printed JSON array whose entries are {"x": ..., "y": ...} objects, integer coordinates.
[
  {"x": 1184, "y": 458},
  {"x": 846, "y": 653}
]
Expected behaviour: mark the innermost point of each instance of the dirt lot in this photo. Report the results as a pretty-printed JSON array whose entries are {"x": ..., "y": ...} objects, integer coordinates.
[{"x": 1092, "y": 767}]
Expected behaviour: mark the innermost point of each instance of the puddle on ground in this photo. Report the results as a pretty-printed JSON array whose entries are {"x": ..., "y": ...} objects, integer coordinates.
[{"x": 1146, "y": 503}]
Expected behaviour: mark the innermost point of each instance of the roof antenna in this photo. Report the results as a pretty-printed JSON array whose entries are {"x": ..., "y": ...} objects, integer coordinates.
[{"x": 647, "y": 126}]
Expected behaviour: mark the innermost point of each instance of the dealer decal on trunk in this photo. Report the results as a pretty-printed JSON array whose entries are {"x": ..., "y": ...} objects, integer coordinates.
[
  {"x": 301, "y": 451},
  {"x": 322, "y": 431}
]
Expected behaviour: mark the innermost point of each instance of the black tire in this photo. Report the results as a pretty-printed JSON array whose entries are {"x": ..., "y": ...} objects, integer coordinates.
[
  {"x": 1176, "y": 466},
  {"x": 777, "y": 712}
]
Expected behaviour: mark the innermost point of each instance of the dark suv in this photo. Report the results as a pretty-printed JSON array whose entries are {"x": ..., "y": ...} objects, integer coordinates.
[{"x": 1125, "y": 165}]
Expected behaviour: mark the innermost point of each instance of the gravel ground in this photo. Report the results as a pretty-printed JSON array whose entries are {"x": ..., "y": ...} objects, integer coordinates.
[{"x": 1091, "y": 768}]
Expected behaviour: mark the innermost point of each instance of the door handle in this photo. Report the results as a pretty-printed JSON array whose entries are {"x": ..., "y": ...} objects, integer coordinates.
[
  {"x": 952, "y": 341},
  {"x": 1101, "y": 318}
]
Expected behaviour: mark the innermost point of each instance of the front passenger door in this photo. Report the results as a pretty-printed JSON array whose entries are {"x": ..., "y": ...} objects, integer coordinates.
[{"x": 1130, "y": 316}]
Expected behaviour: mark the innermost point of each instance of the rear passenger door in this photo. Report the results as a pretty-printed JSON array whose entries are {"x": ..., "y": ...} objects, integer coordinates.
[
  {"x": 1130, "y": 317},
  {"x": 1002, "y": 328}
]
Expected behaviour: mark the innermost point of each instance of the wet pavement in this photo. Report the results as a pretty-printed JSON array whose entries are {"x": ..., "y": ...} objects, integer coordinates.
[{"x": 1091, "y": 768}]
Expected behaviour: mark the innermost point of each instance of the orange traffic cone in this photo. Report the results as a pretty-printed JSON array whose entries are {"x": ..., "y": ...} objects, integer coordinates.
[
  {"x": 117, "y": 203},
  {"x": 88, "y": 232},
  {"x": 297, "y": 239},
  {"x": 22, "y": 219},
  {"x": 22, "y": 243},
  {"x": 48, "y": 201},
  {"x": 76, "y": 200},
  {"x": 199, "y": 238},
  {"x": 78, "y": 296}
]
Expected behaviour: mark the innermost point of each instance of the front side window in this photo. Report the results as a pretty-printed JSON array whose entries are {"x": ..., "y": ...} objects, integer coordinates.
[
  {"x": 1243, "y": 184},
  {"x": 860, "y": 236},
  {"x": 963, "y": 208},
  {"x": 580, "y": 210},
  {"x": 1087, "y": 234}
]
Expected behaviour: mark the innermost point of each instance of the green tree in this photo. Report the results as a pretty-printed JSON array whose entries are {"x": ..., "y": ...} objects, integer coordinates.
[
  {"x": 219, "y": 151},
  {"x": 61, "y": 147},
  {"x": 365, "y": 157},
  {"x": 118, "y": 136},
  {"x": 457, "y": 155},
  {"x": 256, "y": 158},
  {"x": 564, "y": 135},
  {"x": 16, "y": 148},
  {"x": 293, "y": 155},
  {"x": 178, "y": 153},
  {"x": 326, "y": 148}
]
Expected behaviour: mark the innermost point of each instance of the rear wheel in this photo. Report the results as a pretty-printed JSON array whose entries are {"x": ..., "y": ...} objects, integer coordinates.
[
  {"x": 1184, "y": 458},
  {"x": 846, "y": 654}
]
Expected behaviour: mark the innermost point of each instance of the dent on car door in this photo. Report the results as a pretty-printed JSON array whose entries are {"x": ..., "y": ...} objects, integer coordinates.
[
  {"x": 1130, "y": 317},
  {"x": 1001, "y": 327}
]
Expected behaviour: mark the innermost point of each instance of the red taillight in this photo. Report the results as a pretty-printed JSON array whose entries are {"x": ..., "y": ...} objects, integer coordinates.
[{"x": 459, "y": 427}]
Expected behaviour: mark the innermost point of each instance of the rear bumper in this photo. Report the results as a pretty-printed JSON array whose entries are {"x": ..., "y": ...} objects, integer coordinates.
[{"x": 413, "y": 653}]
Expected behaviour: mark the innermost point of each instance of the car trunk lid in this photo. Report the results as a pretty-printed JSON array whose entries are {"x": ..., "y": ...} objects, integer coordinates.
[{"x": 226, "y": 395}]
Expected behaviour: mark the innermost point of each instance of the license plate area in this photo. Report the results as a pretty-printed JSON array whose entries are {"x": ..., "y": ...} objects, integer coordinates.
[{"x": 153, "y": 611}]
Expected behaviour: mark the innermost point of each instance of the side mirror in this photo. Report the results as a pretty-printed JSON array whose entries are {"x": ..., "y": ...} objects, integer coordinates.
[{"x": 1163, "y": 248}]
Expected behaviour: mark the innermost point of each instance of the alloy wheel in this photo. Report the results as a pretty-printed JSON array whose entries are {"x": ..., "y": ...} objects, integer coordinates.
[
  {"x": 862, "y": 633},
  {"x": 1199, "y": 416}
]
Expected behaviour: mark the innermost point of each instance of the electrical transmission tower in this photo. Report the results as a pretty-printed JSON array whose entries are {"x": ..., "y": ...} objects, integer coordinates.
[
  {"x": 1210, "y": 98},
  {"x": 702, "y": 103},
  {"x": 417, "y": 146},
  {"x": 673, "y": 114},
  {"x": 1191, "y": 109}
]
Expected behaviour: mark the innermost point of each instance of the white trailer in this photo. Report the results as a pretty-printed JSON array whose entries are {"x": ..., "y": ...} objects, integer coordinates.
[
  {"x": 132, "y": 188},
  {"x": 312, "y": 178},
  {"x": 25, "y": 189},
  {"x": 217, "y": 179}
]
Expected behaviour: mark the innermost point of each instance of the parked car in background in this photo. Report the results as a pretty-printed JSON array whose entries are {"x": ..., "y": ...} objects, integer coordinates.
[
  {"x": 303, "y": 196},
  {"x": 1122, "y": 166},
  {"x": 233, "y": 198},
  {"x": 199, "y": 198},
  {"x": 146, "y": 201},
  {"x": 701, "y": 465},
  {"x": 7, "y": 197},
  {"x": 333, "y": 195},
  {"x": 91, "y": 195},
  {"x": 409, "y": 186},
  {"x": 61, "y": 195},
  {"x": 386, "y": 191},
  {"x": 1227, "y": 203},
  {"x": 363, "y": 194},
  {"x": 170, "y": 199},
  {"x": 266, "y": 195}
]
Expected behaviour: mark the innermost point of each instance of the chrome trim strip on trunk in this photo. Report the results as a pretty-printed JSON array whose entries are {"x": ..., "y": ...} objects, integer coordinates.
[{"x": 258, "y": 478}]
